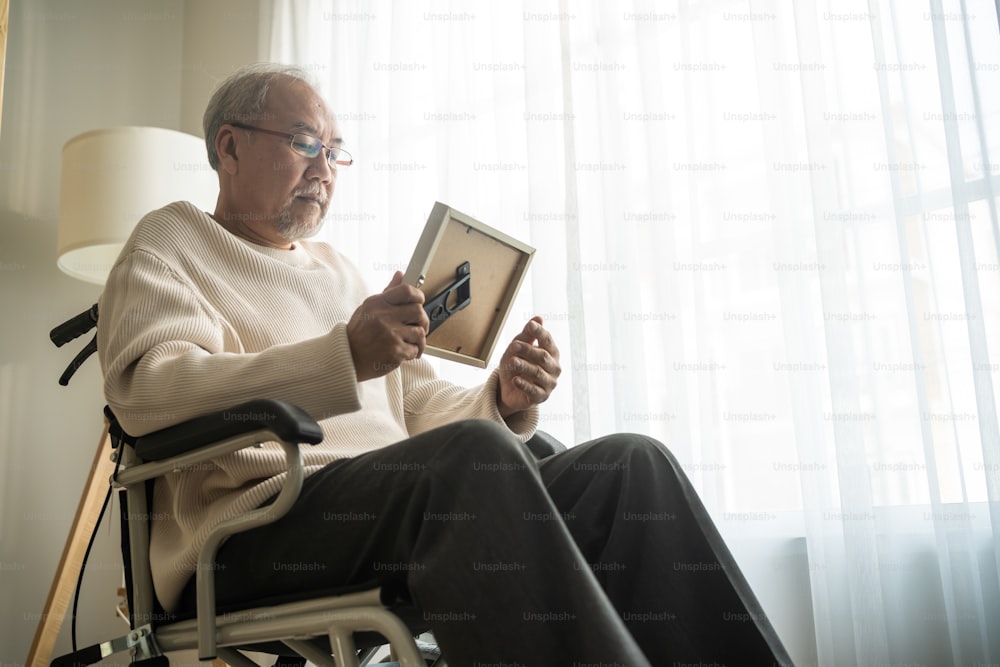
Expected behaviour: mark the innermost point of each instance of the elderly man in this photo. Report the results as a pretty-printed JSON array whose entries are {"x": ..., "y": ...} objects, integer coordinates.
[{"x": 598, "y": 555}]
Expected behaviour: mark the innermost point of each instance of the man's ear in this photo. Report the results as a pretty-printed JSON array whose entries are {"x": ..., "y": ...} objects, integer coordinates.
[{"x": 225, "y": 147}]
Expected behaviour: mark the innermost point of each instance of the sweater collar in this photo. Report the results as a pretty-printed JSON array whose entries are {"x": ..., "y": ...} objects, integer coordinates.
[{"x": 297, "y": 256}]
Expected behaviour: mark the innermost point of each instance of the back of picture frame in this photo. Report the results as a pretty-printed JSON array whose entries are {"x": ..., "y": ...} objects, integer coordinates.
[{"x": 470, "y": 316}]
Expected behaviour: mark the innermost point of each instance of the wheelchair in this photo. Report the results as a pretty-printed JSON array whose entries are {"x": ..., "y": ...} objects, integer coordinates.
[{"x": 343, "y": 627}]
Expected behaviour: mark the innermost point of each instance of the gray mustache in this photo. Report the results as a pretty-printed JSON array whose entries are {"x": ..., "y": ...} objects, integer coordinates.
[{"x": 318, "y": 195}]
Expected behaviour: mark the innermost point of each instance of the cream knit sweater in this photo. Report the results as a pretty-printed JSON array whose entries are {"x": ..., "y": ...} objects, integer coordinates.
[{"x": 194, "y": 319}]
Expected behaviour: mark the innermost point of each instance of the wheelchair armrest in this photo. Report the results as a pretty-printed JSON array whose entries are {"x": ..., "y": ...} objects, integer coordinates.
[
  {"x": 204, "y": 438},
  {"x": 286, "y": 421}
]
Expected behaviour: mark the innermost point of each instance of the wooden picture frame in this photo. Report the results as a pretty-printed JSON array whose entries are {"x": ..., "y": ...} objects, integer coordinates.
[{"x": 453, "y": 243}]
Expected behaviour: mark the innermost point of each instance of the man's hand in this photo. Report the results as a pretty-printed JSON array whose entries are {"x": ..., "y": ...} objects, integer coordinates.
[
  {"x": 388, "y": 329},
  {"x": 529, "y": 369}
]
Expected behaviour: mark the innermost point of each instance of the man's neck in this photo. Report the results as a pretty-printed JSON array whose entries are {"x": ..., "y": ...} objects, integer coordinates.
[{"x": 238, "y": 224}]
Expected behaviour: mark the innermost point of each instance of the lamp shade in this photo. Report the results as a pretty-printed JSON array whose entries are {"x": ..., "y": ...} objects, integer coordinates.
[{"x": 111, "y": 178}]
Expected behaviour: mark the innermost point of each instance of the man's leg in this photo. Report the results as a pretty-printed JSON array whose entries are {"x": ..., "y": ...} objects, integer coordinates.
[
  {"x": 457, "y": 519},
  {"x": 657, "y": 554}
]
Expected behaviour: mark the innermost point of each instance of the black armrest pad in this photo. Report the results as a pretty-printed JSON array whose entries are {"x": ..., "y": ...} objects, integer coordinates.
[
  {"x": 288, "y": 423},
  {"x": 543, "y": 445}
]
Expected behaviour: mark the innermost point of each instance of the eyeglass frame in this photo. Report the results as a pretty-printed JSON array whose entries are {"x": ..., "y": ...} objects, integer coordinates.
[{"x": 331, "y": 159}]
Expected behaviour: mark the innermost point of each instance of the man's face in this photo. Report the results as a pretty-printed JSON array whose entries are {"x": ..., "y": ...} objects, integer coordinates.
[{"x": 291, "y": 191}]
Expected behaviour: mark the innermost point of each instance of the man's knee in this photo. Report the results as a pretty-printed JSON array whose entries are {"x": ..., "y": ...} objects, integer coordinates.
[
  {"x": 636, "y": 451},
  {"x": 484, "y": 445}
]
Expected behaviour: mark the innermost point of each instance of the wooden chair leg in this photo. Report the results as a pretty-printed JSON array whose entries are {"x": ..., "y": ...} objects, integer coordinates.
[{"x": 64, "y": 582}]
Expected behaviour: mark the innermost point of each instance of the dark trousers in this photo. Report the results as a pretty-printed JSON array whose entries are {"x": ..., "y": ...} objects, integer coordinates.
[{"x": 602, "y": 554}]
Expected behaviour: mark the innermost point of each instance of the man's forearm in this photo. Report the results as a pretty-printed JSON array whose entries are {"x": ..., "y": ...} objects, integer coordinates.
[{"x": 165, "y": 388}]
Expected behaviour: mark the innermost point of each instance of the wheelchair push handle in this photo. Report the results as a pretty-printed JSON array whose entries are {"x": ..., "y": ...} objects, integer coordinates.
[
  {"x": 74, "y": 327},
  {"x": 78, "y": 360},
  {"x": 71, "y": 329}
]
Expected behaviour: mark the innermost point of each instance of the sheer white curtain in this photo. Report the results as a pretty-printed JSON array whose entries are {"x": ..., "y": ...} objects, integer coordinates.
[{"x": 767, "y": 234}]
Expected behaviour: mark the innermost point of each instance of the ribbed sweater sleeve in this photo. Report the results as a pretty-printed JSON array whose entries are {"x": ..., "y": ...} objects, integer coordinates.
[
  {"x": 194, "y": 320},
  {"x": 171, "y": 356},
  {"x": 431, "y": 402}
]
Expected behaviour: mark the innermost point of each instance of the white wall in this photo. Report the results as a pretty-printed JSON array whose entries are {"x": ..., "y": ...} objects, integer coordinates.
[{"x": 71, "y": 67}]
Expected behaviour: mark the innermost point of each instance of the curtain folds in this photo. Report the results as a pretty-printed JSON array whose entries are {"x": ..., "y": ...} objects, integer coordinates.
[{"x": 767, "y": 234}]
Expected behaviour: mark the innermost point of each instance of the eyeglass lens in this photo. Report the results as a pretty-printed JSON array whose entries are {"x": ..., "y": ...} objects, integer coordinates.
[{"x": 310, "y": 147}]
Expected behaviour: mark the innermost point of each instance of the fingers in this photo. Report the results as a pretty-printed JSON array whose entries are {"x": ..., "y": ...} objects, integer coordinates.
[
  {"x": 401, "y": 295},
  {"x": 414, "y": 336},
  {"x": 379, "y": 348},
  {"x": 397, "y": 279},
  {"x": 534, "y": 370},
  {"x": 530, "y": 330},
  {"x": 535, "y": 334},
  {"x": 406, "y": 304},
  {"x": 533, "y": 361},
  {"x": 546, "y": 341},
  {"x": 388, "y": 329}
]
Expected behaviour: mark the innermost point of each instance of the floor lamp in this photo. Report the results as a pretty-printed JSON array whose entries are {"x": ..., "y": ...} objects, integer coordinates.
[{"x": 110, "y": 179}]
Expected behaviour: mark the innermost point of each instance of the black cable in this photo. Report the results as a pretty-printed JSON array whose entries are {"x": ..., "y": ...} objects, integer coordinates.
[
  {"x": 90, "y": 545},
  {"x": 83, "y": 566}
]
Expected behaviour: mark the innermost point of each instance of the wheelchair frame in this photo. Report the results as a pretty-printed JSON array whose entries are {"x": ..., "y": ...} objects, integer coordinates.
[{"x": 295, "y": 624}]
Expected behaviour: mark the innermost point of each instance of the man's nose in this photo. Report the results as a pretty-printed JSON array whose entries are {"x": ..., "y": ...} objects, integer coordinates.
[{"x": 320, "y": 168}]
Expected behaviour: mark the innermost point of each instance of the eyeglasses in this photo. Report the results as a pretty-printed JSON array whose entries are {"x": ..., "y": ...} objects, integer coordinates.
[{"x": 307, "y": 146}]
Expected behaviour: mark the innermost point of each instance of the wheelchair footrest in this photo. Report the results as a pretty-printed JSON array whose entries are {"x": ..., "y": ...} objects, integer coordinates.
[{"x": 141, "y": 642}]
